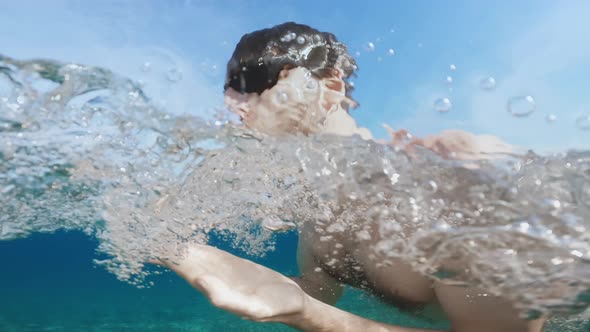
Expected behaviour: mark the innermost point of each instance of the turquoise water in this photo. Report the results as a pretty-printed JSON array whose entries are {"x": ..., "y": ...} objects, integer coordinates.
[{"x": 49, "y": 283}]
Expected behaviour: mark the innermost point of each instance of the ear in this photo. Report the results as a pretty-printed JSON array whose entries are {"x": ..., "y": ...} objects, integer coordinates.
[{"x": 284, "y": 73}]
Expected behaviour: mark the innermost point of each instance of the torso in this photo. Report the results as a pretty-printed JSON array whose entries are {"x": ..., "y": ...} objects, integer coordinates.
[{"x": 357, "y": 264}]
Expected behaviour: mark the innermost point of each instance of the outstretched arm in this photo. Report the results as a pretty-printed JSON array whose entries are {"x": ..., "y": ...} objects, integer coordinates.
[
  {"x": 456, "y": 145},
  {"x": 257, "y": 293},
  {"x": 318, "y": 316}
]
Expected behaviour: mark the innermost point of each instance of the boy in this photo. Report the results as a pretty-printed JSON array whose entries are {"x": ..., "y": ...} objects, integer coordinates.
[{"x": 291, "y": 79}]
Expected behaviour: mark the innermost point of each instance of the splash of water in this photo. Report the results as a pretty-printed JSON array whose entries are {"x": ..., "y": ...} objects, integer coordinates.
[{"x": 83, "y": 148}]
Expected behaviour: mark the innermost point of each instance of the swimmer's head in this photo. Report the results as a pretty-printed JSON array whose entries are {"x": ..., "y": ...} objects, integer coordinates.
[{"x": 288, "y": 78}]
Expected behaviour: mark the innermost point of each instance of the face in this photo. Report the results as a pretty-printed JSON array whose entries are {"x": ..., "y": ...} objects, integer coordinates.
[{"x": 298, "y": 103}]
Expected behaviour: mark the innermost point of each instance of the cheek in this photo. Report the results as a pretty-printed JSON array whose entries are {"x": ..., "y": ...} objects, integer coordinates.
[{"x": 259, "y": 117}]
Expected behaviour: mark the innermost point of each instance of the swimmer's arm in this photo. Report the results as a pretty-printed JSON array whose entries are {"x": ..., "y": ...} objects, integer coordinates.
[
  {"x": 318, "y": 316},
  {"x": 457, "y": 145},
  {"x": 260, "y": 294}
]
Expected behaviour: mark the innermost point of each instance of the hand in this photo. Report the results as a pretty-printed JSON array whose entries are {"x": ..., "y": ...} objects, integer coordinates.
[
  {"x": 454, "y": 144},
  {"x": 237, "y": 285}
]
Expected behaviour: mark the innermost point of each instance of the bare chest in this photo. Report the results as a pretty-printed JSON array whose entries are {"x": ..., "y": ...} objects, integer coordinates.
[{"x": 359, "y": 265}]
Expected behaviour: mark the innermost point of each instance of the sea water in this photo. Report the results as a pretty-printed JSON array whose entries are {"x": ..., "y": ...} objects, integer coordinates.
[{"x": 86, "y": 151}]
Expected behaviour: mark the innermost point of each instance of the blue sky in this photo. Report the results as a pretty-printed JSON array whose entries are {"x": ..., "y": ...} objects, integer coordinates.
[{"x": 531, "y": 47}]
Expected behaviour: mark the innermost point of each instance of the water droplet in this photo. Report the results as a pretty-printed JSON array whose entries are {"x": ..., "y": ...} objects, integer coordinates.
[
  {"x": 553, "y": 203},
  {"x": 369, "y": 47},
  {"x": 21, "y": 99},
  {"x": 56, "y": 97},
  {"x": 147, "y": 66},
  {"x": 174, "y": 75},
  {"x": 443, "y": 105},
  {"x": 521, "y": 106},
  {"x": 583, "y": 122},
  {"x": 488, "y": 83},
  {"x": 391, "y": 52},
  {"x": 550, "y": 118},
  {"x": 311, "y": 84},
  {"x": 301, "y": 40},
  {"x": 452, "y": 67},
  {"x": 282, "y": 97},
  {"x": 287, "y": 38},
  {"x": 432, "y": 186},
  {"x": 442, "y": 226}
]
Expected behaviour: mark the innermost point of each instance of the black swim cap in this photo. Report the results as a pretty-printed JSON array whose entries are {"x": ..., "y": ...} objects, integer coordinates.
[{"x": 261, "y": 55}]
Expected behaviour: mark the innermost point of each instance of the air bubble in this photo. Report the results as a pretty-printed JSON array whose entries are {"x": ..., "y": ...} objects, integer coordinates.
[
  {"x": 369, "y": 47},
  {"x": 282, "y": 97},
  {"x": 452, "y": 67},
  {"x": 550, "y": 118},
  {"x": 21, "y": 99},
  {"x": 577, "y": 253},
  {"x": 488, "y": 83},
  {"x": 174, "y": 75},
  {"x": 553, "y": 203},
  {"x": 146, "y": 66},
  {"x": 391, "y": 52},
  {"x": 311, "y": 84},
  {"x": 583, "y": 122},
  {"x": 432, "y": 186},
  {"x": 286, "y": 38},
  {"x": 449, "y": 80},
  {"x": 443, "y": 105},
  {"x": 300, "y": 40},
  {"x": 521, "y": 106}
]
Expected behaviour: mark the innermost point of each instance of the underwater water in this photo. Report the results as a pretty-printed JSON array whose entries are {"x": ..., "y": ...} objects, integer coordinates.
[
  {"x": 98, "y": 174},
  {"x": 51, "y": 284}
]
